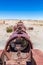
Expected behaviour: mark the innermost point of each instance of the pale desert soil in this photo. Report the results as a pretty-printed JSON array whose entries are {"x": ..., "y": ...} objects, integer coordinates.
[{"x": 36, "y": 35}]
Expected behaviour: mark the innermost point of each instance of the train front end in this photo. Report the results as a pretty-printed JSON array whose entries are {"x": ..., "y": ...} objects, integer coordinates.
[{"x": 18, "y": 48}]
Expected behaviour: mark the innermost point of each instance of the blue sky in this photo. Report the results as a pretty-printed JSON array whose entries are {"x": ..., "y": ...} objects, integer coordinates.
[{"x": 21, "y": 9}]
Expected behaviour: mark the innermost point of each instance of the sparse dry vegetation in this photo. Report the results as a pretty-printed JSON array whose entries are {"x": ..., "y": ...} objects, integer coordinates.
[
  {"x": 9, "y": 29},
  {"x": 38, "y": 24}
]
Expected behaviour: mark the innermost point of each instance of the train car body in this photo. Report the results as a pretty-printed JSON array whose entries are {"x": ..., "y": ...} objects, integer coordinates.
[{"x": 19, "y": 49}]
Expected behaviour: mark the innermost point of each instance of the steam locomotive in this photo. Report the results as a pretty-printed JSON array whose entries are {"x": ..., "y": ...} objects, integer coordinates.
[{"x": 18, "y": 49}]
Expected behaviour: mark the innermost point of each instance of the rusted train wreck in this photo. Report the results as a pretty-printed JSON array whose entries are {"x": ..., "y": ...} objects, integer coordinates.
[{"x": 19, "y": 49}]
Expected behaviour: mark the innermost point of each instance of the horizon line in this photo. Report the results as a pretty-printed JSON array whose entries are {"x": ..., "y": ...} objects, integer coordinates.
[{"x": 19, "y": 19}]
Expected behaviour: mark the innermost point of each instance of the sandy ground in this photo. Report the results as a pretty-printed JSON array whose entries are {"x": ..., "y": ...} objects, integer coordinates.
[{"x": 36, "y": 35}]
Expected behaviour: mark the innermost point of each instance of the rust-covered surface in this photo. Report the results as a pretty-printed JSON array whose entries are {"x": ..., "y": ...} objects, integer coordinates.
[{"x": 38, "y": 56}]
